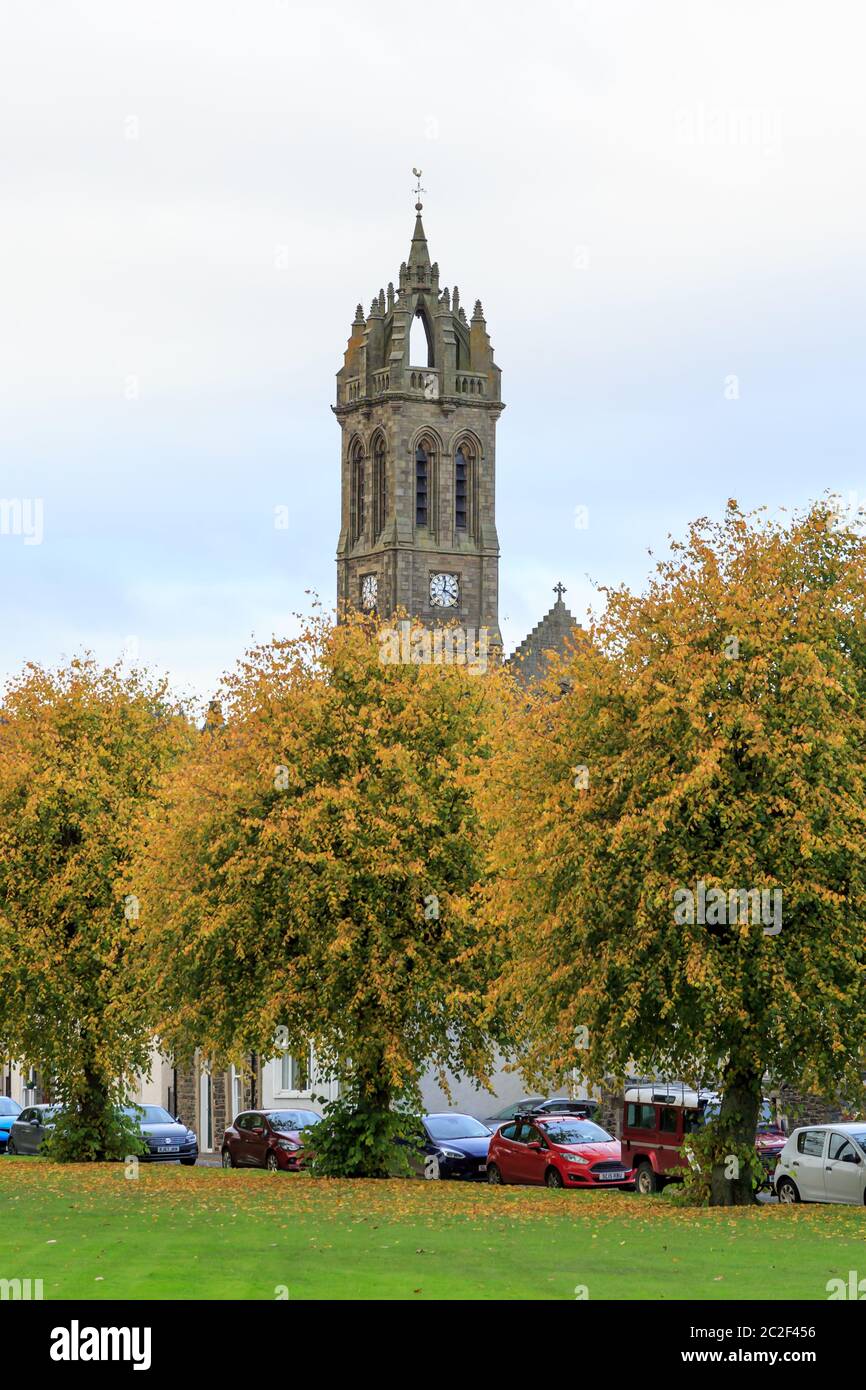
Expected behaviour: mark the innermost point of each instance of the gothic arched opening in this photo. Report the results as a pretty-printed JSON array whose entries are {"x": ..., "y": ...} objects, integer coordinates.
[{"x": 420, "y": 341}]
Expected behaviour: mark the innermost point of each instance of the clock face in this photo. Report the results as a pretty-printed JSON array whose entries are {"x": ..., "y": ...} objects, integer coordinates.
[
  {"x": 369, "y": 592},
  {"x": 444, "y": 590}
]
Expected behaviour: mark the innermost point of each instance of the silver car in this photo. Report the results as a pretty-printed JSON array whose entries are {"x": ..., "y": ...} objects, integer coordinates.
[
  {"x": 823, "y": 1163},
  {"x": 30, "y": 1128}
]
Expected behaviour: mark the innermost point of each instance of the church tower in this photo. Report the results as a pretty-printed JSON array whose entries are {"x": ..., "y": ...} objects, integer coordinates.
[{"x": 418, "y": 398}]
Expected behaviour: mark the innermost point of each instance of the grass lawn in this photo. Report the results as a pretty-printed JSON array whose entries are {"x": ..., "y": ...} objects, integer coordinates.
[{"x": 89, "y": 1232}]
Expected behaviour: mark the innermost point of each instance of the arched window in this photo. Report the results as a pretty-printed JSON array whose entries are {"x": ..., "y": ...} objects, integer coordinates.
[
  {"x": 420, "y": 341},
  {"x": 463, "y": 461},
  {"x": 422, "y": 486},
  {"x": 359, "y": 502},
  {"x": 380, "y": 486}
]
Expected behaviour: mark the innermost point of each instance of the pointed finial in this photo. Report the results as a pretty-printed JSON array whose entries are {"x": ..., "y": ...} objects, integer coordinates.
[
  {"x": 478, "y": 312},
  {"x": 359, "y": 314}
]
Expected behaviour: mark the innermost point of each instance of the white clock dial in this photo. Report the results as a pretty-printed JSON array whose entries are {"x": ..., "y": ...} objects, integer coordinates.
[
  {"x": 444, "y": 590},
  {"x": 369, "y": 592}
]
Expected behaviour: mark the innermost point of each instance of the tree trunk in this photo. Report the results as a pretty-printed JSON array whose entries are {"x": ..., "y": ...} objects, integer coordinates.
[
  {"x": 731, "y": 1183},
  {"x": 374, "y": 1101},
  {"x": 94, "y": 1110}
]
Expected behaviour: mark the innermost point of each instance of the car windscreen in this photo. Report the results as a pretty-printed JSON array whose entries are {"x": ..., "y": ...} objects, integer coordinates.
[
  {"x": 149, "y": 1114},
  {"x": 712, "y": 1110},
  {"x": 455, "y": 1127},
  {"x": 576, "y": 1132},
  {"x": 860, "y": 1136},
  {"x": 287, "y": 1120},
  {"x": 9, "y": 1106}
]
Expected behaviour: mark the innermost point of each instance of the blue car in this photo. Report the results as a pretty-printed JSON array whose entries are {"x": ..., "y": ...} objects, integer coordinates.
[
  {"x": 9, "y": 1112},
  {"x": 455, "y": 1147}
]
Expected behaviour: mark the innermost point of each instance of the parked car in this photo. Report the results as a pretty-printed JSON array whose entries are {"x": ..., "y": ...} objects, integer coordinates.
[
  {"x": 9, "y": 1111},
  {"x": 564, "y": 1105},
  {"x": 658, "y": 1119},
  {"x": 512, "y": 1111},
  {"x": 30, "y": 1128},
  {"x": 559, "y": 1150},
  {"x": 824, "y": 1163},
  {"x": 458, "y": 1145},
  {"x": 272, "y": 1139},
  {"x": 538, "y": 1105},
  {"x": 168, "y": 1139}
]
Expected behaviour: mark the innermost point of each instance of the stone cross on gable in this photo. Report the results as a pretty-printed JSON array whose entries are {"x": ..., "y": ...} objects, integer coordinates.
[{"x": 559, "y": 589}]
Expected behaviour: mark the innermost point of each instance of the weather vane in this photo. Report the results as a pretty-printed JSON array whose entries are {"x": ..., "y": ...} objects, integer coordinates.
[{"x": 418, "y": 190}]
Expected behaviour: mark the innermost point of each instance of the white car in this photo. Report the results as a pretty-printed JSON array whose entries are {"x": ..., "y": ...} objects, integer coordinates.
[{"x": 823, "y": 1163}]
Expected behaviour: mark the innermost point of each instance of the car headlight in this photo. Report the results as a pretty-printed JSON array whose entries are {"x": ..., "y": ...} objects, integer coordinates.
[
  {"x": 287, "y": 1144},
  {"x": 190, "y": 1138},
  {"x": 450, "y": 1153},
  {"x": 576, "y": 1158}
]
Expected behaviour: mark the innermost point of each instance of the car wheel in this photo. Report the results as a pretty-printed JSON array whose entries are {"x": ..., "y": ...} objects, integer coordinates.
[
  {"x": 271, "y": 1163},
  {"x": 494, "y": 1176},
  {"x": 786, "y": 1191},
  {"x": 10, "y": 1147},
  {"x": 553, "y": 1178},
  {"x": 645, "y": 1182},
  {"x": 188, "y": 1162},
  {"x": 228, "y": 1161}
]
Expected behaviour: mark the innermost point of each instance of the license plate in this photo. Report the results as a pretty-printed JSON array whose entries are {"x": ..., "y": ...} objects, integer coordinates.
[
  {"x": 167, "y": 1149},
  {"x": 611, "y": 1177},
  {"x": 482, "y": 1167}
]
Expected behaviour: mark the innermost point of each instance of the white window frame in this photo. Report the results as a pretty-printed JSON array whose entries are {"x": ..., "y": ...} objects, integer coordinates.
[
  {"x": 237, "y": 1094},
  {"x": 279, "y": 1091}
]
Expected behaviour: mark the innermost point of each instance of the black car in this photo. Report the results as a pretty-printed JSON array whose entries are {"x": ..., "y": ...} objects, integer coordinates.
[
  {"x": 512, "y": 1111},
  {"x": 537, "y": 1105},
  {"x": 167, "y": 1139},
  {"x": 562, "y": 1105},
  {"x": 455, "y": 1147}
]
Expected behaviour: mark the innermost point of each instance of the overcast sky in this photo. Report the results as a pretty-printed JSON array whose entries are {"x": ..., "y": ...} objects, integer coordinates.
[{"x": 661, "y": 206}]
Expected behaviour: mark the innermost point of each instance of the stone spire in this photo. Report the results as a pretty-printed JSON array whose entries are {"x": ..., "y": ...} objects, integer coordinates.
[{"x": 419, "y": 256}]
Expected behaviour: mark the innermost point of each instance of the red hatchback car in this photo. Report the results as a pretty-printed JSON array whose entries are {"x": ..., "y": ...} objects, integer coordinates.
[
  {"x": 272, "y": 1139},
  {"x": 559, "y": 1150}
]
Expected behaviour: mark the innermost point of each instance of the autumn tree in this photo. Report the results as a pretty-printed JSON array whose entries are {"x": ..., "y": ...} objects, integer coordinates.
[
  {"x": 80, "y": 751},
  {"x": 680, "y": 838},
  {"x": 305, "y": 875}
]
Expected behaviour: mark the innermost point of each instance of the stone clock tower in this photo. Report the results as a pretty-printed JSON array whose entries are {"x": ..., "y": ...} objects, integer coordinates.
[{"x": 418, "y": 398}]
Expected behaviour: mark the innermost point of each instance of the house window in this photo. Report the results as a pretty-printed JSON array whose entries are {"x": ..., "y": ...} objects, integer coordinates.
[
  {"x": 462, "y": 464},
  {"x": 237, "y": 1097},
  {"x": 422, "y": 486},
  {"x": 359, "y": 509},
  {"x": 294, "y": 1074}
]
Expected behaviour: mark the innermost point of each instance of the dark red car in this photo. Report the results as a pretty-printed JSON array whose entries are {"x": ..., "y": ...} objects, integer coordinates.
[
  {"x": 559, "y": 1150},
  {"x": 273, "y": 1139}
]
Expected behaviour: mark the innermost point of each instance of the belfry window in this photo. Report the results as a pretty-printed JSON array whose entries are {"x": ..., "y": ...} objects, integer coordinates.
[
  {"x": 422, "y": 486},
  {"x": 359, "y": 512},
  {"x": 461, "y": 489},
  {"x": 420, "y": 341},
  {"x": 380, "y": 486}
]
